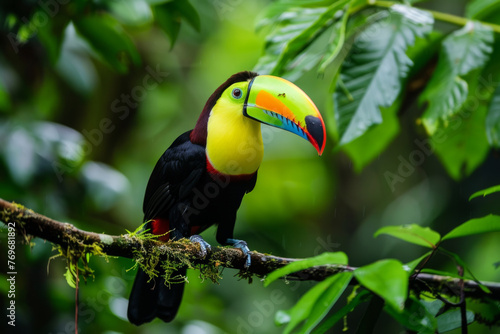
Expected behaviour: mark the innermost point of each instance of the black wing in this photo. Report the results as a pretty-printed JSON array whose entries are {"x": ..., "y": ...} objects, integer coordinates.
[{"x": 174, "y": 176}]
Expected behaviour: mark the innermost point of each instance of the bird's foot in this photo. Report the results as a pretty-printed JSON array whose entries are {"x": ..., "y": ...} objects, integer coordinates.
[
  {"x": 204, "y": 246},
  {"x": 241, "y": 244}
]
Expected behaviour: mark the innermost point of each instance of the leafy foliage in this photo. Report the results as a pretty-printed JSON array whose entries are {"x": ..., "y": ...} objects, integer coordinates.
[
  {"x": 485, "y": 192},
  {"x": 104, "y": 34},
  {"x": 101, "y": 24},
  {"x": 480, "y": 9},
  {"x": 170, "y": 15},
  {"x": 367, "y": 48},
  {"x": 464, "y": 50},
  {"x": 375, "y": 54},
  {"x": 314, "y": 304},
  {"x": 486, "y": 224},
  {"x": 493, "y": 120},
  {"x": 293, "y": 28},
  {"x": 415, "y": 234},
  {"x": 368, "y": 79},
  {"x": 462, "y": 145},
  {"x": 388, "y": 279},
  {"x": 375, "y": 58}
]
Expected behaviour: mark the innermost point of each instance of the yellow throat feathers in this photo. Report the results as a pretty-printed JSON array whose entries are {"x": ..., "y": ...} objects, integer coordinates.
[{"x": 234, "y": 142}]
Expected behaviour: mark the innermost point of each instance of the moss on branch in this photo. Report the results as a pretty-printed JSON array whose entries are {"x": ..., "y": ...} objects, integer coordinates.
[{"x": 75, "y": 244}]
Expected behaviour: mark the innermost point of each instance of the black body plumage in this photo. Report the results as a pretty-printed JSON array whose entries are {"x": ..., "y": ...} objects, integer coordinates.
[{"x": 182, "y": 192}]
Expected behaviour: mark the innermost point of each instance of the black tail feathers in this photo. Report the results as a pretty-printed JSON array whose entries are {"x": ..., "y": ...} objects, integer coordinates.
[{"x": 149, "y": 300}]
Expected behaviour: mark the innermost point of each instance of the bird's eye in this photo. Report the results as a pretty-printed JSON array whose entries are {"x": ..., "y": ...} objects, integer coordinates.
[{"x": 237, "y": 93}]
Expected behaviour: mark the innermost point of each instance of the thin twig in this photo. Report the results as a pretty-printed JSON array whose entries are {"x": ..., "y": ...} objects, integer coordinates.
[
  {"x": 463, "y": 306},
  {"x": 76, "y": 299}
]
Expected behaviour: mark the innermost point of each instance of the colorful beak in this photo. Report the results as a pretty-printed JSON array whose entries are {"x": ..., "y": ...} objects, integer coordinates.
[{"x": 278, "y": 102}]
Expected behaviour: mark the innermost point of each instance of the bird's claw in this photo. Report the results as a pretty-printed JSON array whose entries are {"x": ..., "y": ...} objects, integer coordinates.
[
  {"x": 204, "y": 246},
  {"x": 241, "y": 244}
]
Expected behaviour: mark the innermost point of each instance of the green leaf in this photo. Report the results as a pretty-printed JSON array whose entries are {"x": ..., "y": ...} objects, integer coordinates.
[
  {"x": 463, "y": 51},
  {"x": 373, "y": 142},
  {"x": 442, "y": 84},
  {"x": 336, "y": 41},
  {"x": 338, "y": 284},
  {"x": 324, "y": 292},
  {"x": 415, "y": 234},
  {"x": 433, "y": 306},
  {"x": 51, "y": 35},
  {"x": 372, "y": 76},
  {"x": 20, "y": 154},
  {"x": 292, "y": 31},
  {"x": 108, "y": 39},
  {"x": 462, "y": 145},
  {"x": 70, "y": 275},
  {"x": 310, "y": 56},
  {"x": 288, "y": 26},
  {"x": 275, "y": 10},
  {"x": 281, "y": 317},
  {"x": 76, "y": 68},
  {"x": 485, "y": 192},
  {"x": 487, "y": 310},
  {"x": 189, "y": 13},
  {"x": 134, "y": 12},
  {"x": 327, "y": 258},
  {"x": 157, "y": 2},
  {"x": 490, "y": 223},
  {"x": 386, "y": 278},
  {"x": 168, "y": 20},
  {"x": 4, "y": 99},
  {"x": 479, "y": 9},
  {"x": 297, "y": 43},
  {"x": 493, "y": 120},
  {"x": 301, "y": 310},
  {"x": 103, "y": 182},
  {"x": 414, "y": 317},
  {"x": 169, "y": 16},
  {"x": 322, "y": 50},
  {"x": 452, "y": 320},
  {"x": 352, "y": 303}
]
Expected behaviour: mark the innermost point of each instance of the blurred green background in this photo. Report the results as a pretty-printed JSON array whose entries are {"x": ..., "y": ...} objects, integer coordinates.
[{"x": 80, "y": 135}]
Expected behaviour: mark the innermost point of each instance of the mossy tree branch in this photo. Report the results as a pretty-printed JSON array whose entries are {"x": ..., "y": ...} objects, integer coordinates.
[{"x": 31, "y": 224}]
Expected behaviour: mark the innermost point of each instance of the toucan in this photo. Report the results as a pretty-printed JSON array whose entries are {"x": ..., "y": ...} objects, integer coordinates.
[{"x": 202, "y": 177}]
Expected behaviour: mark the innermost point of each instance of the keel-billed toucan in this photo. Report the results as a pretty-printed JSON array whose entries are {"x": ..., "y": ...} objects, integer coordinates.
[{"x": 201, "y": 178}]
